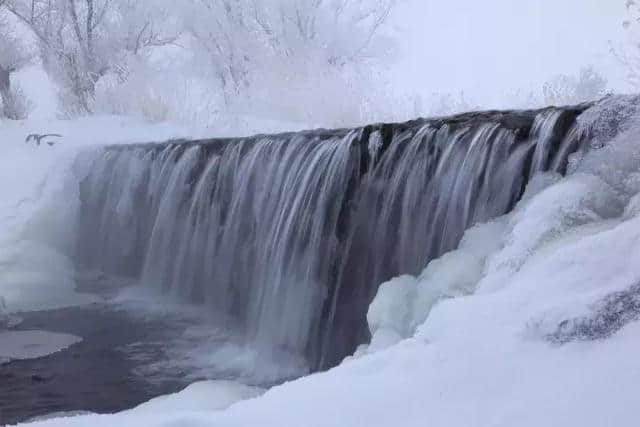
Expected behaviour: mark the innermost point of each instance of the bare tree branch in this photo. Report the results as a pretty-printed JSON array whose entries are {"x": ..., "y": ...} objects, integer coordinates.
[
  {"x": 76, "y": 22},
  {"x": 101, "y": 14}
]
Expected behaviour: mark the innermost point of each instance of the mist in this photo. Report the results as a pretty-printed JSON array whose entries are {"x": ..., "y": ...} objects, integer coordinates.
[{"x": 492, "y": 49}]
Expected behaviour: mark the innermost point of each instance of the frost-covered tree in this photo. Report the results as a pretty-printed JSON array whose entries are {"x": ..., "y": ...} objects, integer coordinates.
[
  {"x": 268, "y": 52},
  {"x": 293, "y": 60},
  {"x": 82, "y": 40},
  {"x": 68, "y": 32},
  {"x": 588, "y": 85},
  {"x": 239, "y": 34},
  {"x": 628, "y": 54},
  {"x": 14, "y": 54}
]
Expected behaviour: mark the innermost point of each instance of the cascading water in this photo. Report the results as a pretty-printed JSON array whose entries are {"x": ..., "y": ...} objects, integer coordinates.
[{"x": 285, "y": 238}]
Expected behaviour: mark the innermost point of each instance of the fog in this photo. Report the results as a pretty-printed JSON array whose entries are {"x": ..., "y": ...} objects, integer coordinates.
[{"x": 490, "y": 49}]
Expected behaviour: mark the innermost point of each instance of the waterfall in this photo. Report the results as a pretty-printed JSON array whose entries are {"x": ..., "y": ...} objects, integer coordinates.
[{"x": 285, "y": 238}]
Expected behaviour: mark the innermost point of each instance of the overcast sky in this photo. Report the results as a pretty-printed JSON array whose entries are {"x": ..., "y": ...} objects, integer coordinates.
[{"x": 492, "y": 47}]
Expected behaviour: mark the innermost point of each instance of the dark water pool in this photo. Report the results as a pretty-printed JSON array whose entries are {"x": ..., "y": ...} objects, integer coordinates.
[{"x": 96, "y": 375}]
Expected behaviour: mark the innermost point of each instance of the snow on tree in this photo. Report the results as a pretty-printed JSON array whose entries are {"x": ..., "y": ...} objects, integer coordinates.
[
  {"x": 81, "y": 40},
  {"x": 165, "y": 59},
  {"x": 628, "y": 54},
  {"x": 13, "y": 56},
  {"x": 303, "y": 51}
]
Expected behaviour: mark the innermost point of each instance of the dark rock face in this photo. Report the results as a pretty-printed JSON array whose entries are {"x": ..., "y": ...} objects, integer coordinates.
[{"x": 610, "y": 315}]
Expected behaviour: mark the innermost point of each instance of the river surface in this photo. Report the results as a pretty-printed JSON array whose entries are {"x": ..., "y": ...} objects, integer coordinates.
[{"x": 104, "y": 373}]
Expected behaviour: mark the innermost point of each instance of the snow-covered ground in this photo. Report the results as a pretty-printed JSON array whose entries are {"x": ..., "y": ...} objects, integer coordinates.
[{"x": 531, "y": 322}]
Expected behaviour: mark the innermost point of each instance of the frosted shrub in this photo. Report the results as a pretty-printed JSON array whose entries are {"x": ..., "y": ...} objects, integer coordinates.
[
  {"x": 15, "y": 104},
  {"x": 588, "y": 85},
  {"x": 158, "y": 97}
]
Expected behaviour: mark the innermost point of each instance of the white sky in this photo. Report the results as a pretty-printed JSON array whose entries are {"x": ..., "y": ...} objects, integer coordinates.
[{"x": 493, "y": 47}]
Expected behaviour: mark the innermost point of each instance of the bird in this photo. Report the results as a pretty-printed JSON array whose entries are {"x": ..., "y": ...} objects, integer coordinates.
[{"x": 37, "y": 138}]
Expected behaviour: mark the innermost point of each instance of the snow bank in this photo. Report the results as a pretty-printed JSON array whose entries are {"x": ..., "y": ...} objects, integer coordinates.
[
  {"x": 35, "y": 277},
  {"x": 577, "y": 200},
  {"x": 87, "y": 131},
  {"x": 28, "y": 265},
  {"x": 403, "y": 303}
]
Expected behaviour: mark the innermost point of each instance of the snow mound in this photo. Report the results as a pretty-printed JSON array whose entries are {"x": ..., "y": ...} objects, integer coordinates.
[
  {"x": 577, "y": 200},
  {"x": 403, "y": 303},
  {"x": 35, "y": 277}
]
